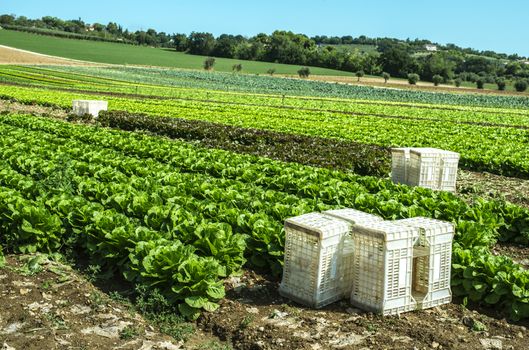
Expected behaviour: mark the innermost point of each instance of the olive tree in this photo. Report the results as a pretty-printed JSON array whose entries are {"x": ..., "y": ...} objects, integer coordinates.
[
  {"x": 520, "y": 85},
  {"x": 304, "y": 72},
  {"x": 209, "y": 63},
  {"x": 413, "y": 78},
  {"x": 437, "y": 79},
  {"x": 359, "y": 74}
]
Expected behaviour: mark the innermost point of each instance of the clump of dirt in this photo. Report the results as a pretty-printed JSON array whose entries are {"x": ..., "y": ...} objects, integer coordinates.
[{"x": 255, "y": 316}]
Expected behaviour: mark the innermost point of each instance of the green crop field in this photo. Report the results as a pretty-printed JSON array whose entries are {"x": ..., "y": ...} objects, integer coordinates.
[
  {"x": 113, "y": 53},
  {"x": 189, "y": 176}
]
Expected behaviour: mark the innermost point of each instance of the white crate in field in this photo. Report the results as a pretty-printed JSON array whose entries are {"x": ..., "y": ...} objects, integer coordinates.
[
  {"x": 399, "y": 165},
  {"x": 354, "y": 217},
  {"x": 93, "y": 107},
  {"x": 448, "y": 176},
  {"x": 431, "y": 261},
  {"x": 313, "y": 247},
  {"x": 382, "y": 267},
  {"x": 425, "y": 167}
]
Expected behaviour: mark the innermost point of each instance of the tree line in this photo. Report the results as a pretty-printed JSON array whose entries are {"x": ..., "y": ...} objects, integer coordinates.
[{"x": 396, "y": 58}]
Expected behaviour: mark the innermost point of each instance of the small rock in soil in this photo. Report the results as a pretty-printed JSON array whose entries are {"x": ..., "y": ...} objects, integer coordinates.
[
  {"x": 491, "y": 344},
  {"x": 108, "y": 330},
  {"x": 12, "y": 328},
  {"x": 7, "y": 347},
  {"x": 252, "y": 310},
  {"x": 346, "y": 341},
  {"x": 80, "y": 309}
]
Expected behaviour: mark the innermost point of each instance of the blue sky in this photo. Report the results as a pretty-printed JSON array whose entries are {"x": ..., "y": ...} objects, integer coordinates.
[{"x": 500, "y": 25}]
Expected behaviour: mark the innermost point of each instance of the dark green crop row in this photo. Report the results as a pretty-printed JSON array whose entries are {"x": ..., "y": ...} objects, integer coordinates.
[{"x": 310, "y": 150}]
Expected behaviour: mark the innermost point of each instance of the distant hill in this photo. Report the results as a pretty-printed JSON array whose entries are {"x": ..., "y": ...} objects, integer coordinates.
[{"x": 114, "y": 53}]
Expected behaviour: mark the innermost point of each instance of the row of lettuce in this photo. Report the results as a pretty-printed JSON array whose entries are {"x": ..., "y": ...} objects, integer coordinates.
[
  {"x": 74, "y": 81},
  {"x": 181, "y": 218},
  {"x": 499, "y": 150},
  {"x": 271, "y": 85}
]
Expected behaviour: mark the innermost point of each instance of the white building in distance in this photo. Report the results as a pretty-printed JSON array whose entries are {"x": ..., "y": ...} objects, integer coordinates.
[{"x": 430, "y": 47}]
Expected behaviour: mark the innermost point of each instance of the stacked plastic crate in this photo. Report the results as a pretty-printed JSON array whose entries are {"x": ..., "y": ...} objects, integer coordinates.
[
  {"x": 354, "y": 217},
  {"x": 316, "y": 270},
  {"x": 387, "y": 267},
  {"x": 313, "y": 243},
  {"x": 382, "y": 267},
  {"x": 425, "y": 167},
  {"x": 93, "y": 107},
  {"x": 432, "y": 261}
]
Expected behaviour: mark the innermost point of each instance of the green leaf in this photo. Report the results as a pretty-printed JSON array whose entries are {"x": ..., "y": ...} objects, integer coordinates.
[
  {"x": 210, "y": 306},
  {"x": 492, "y": 298},
  {"x": 2, "y": 258},
  {"x": 216, "y": 291},
  {"x": 196, "y": 301},
  {"x": 188, "y": 311}
]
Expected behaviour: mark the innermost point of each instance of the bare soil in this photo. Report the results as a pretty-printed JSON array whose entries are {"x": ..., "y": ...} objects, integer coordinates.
[
  {"x": 57, "y": 308},
  {"x": 255, "y": 316},
  {"x": 10, "y": 55},
  {"x": 16, "y": 107},
  {"x": 471, "y": 184},
  {"x": 54, "y": 307}
]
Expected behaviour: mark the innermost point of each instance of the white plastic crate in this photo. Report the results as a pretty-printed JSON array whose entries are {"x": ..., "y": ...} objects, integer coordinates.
[
  {"x": 431, "y": 261},
  {"x": 448, "y": 176},
  {"x": 313, "y": 248},
  {"x": 93, "y": 107},
  {"x": 382, "y": 267},
  {"x": 425, "y": 167},
  {"x": 354, "y": 217},
  {"x": 399, "y": 165}
]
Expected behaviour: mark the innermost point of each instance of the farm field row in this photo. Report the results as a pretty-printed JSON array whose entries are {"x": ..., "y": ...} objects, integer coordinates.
[
  {"x": 494, "y": 149},
  {"x": 169, "y": 83},
  {"x": 174, "y": 216},
  {"x": 64, "y": 81}
]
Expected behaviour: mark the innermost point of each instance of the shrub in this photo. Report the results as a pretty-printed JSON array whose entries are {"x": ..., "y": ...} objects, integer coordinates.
[
  {"x": 271, "y": 71},
  {"x": 209, "y": 63},
  {"x": 480, "y": 83},
  {"x": 501, "y": 84},
  {"x": 304, "y": 72},
  {"x": 458, "y": 82},
  {"x": 386, "y": 77},
  {"x": 520, "y": 85},
  {"x": 359, "y": 74},
  {"x": 237, "y": 67},
  {"x": 413, "y": 78},
  {"x": 437, "y": 79}
]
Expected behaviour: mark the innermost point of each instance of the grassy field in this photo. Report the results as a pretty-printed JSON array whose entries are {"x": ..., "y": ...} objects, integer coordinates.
[{"x": 115, "y": 53}]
